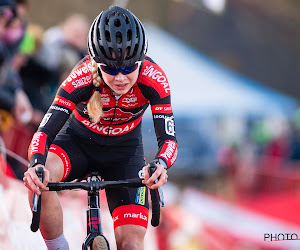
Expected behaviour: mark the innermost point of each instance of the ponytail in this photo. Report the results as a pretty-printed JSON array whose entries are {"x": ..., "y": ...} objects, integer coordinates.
[{"x": 94, "y": 105}]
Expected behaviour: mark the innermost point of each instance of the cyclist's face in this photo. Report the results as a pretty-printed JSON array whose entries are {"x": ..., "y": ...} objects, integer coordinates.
[{"x": 120, "y": 83}]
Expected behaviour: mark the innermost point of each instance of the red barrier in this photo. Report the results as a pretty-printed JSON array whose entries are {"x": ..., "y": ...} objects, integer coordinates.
[
  {"x": 15, "y": 217},
  {"x": 5, "y": 169}
]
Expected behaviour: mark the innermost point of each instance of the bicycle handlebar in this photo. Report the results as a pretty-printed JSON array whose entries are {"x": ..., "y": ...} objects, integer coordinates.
[{"x": 95, "y": 185}]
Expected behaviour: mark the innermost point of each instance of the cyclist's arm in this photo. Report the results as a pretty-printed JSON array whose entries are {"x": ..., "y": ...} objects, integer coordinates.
[
  {"x": 51, "y": 124},
  {"x": 157, "y": 90},
  {"x": 164, "y": 125},
  {"x": 167, "y": 144}
]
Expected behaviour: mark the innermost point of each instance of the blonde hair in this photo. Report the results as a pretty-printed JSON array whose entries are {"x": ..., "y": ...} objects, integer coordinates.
[{"x": 94, "y": 105}]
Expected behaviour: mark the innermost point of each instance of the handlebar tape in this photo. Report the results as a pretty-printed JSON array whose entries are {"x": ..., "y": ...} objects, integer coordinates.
[{"x": 154, "y": 199}]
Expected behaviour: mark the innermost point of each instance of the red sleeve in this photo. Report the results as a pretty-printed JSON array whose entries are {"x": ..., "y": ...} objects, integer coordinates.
[{"x": 155, "y": 87}]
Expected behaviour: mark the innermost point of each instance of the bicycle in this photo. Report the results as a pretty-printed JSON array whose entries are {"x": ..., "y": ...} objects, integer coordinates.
[{"x": 95, "y": 238}]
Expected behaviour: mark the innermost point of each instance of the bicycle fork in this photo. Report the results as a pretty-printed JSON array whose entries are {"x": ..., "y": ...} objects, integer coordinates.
[{"x": 94, "y": 226}]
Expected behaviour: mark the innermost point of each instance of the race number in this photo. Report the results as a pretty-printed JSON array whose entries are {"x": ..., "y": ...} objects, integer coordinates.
[{"x": 169, "y": 126}]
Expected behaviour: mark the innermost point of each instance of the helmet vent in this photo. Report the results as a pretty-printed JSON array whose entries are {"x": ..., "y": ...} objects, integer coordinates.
[
  {"x": 128, "y": 49},
  {"x": 129, "y": 35},
  {"x": 103, "y": 51},
  {"x": 136, "y": 47},
  {"x": 119, "y": 37},
  {"x": 107, "y": 36},
  {"x": 117, "y": 23}
]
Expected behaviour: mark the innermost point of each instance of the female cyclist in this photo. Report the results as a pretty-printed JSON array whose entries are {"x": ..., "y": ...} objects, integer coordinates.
[{"x": 94, "y": 123}]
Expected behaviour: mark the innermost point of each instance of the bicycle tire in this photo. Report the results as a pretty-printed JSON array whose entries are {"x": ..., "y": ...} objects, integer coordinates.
[{"x": 99, "y": 243}]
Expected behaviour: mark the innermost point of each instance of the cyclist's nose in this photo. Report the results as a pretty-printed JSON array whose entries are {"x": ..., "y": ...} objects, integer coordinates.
[{"x": 120, "y": 77}]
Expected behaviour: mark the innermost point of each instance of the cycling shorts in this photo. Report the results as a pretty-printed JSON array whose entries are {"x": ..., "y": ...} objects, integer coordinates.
[{"x": 113, "y": 162}]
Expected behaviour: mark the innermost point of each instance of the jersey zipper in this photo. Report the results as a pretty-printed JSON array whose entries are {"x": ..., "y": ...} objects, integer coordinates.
[{"x": 112, "y": 119}]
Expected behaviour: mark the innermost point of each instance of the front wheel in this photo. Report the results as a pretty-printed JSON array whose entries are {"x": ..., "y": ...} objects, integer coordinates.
[{"x": 99, "y": 243}]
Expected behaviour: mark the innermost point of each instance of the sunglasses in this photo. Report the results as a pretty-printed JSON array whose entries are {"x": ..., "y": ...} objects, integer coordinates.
[{"x": 114, "y": 71}]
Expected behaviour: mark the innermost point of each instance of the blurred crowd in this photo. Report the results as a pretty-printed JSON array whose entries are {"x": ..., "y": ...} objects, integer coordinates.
[
  {"x": 266, "y": 159},
  {"x": 33, "y": 62}
]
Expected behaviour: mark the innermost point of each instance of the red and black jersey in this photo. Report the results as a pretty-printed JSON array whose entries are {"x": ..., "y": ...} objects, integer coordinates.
[{"x": 122, "y": 115}]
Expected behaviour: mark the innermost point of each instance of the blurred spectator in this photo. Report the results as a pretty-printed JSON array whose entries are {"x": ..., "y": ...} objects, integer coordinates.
[
  {"x": 276, "y": 153},
  {"x": 295, "y": 148},
  {"x": 63, "y": 46},
  {"x": 227, "y": 158},
  {"x": 7, "y": 9},
  {"x": 7, "y": 14},
  {"x": 276, "y": 149},
  {"x": 34, "y": 75},
  {"x": 15, "y": 29},
  {"x": 228, "y": 161},
  {"x": 295, "y": 139},
  {"x": 12, "y": 97}
]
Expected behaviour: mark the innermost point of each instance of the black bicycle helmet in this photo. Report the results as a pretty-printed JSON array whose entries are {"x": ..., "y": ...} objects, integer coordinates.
[{"x": 117, "y": 38}]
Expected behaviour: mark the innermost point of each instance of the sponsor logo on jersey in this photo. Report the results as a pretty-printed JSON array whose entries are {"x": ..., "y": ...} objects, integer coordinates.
[
  {"x": 162, "y": 117},
  {"x": 63, "y": 102},
  {"x": 102, "y": 129},
  {"x": 79, "y": 77},
  {"x": 169, "y": 152},
  {"x": 105, "y": 99},
  {"x": 84, "y": 80},
  {"x": 59, "y": 109},
  {"x": 82, "y": 69},
  {"x": 45, "y": 119},
  {"x": 128, "y": 100},
  {"x": 117, "y": 114},
  {"x": 38, "y": 144},
  {"x": 136, "y": 216},
  {"x": 163, "y": 108},
  {"x": 155, "y": 74},
  {"x": 140, "y": 195}
]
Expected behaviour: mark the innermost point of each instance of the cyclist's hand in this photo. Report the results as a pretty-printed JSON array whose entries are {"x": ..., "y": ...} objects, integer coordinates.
[
  {"x": 160, "y": 174},
  {"x": 31, "y": 180}
]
